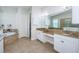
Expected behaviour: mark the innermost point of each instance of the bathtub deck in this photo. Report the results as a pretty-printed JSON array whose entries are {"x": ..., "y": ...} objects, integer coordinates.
[{"x": 10, "y": 39}]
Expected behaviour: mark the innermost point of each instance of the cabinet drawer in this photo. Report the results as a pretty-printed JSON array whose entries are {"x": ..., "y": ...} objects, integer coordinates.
[
  {"x": 49, "y": 39},
  {"x": 40, "y": 36}
]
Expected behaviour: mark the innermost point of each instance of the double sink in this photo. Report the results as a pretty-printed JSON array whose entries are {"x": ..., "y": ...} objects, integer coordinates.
[
  {"x": 71, "y": 31},
  {"x": 66, "y": 32}
]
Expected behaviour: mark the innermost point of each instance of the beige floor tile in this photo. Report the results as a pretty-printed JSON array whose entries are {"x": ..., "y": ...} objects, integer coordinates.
[{"x": 25, "y": 45}]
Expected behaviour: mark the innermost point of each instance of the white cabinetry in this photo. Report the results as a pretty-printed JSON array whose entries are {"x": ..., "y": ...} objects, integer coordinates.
[
  {"x": 43, "y": 37},
  {"x": 49, "y": 38},
  {"x": 40, "y": 36},
  {"x": 1, "y": 45},
  {"x": 1, "y": 41},
  {"x": 65, "y": 44},
  {"x": 75, "y": 15}
]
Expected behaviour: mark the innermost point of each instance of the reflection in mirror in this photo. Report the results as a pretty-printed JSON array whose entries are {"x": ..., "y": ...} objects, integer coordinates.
[{"x": 61, "y": 20}]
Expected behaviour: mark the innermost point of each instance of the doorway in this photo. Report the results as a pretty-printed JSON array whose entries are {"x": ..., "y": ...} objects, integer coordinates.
[{"x": 30, "y": 25}]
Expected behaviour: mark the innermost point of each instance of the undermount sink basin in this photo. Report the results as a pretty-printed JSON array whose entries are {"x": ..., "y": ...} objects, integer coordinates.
[{"x": 66, "y": 34}]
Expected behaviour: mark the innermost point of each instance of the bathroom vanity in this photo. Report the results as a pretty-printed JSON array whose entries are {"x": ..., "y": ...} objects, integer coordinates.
[{"x": 66, "y": 44}]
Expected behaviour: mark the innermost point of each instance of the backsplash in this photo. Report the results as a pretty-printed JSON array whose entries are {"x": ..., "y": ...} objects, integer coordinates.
[{"x": 75, "y": 25}]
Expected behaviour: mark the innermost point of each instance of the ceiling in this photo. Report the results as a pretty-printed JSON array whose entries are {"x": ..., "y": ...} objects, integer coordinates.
[
  {"x": 53, "y": 10},
  {"x": 13, "y": 8},
  {"x": 45, "y": 10}
]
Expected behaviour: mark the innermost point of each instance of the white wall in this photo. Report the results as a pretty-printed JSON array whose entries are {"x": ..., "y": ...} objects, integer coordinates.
[
  {"x": 22, "y": 22},
  {"x": 18, "y": 17},
  {"x": 0, "y": 19},
  {"x": 8, "y": 18},
  {"x": 35, "y": 23}
]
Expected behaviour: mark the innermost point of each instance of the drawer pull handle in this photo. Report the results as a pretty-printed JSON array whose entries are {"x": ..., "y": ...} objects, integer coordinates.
[{"x": 62, "y": 41}]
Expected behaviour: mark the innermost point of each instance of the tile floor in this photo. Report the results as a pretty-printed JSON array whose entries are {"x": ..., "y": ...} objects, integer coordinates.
[{"x": 25, "y": 45}]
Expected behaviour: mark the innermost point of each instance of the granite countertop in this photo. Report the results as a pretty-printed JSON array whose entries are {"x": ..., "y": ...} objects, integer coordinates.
[
  {"x": 48, "y": 31},
  {"x": 60, "y": 32}
]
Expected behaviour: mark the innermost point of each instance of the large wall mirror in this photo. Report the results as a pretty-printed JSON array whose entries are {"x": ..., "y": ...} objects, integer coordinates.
[
  {"x": 61, "y": 20},
  {"x": 65, "y": 22}
]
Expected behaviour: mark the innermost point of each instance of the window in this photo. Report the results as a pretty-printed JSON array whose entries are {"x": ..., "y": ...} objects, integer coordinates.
[{"x": 55, "y": 23}]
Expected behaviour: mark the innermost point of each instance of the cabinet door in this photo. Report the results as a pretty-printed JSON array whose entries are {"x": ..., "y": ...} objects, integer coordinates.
[
  {"x": 66, "y": 44},
  {"x": 41, "y": 36},
  {"x": 38, "y": 34},
  {"x": 75, "y": 15},
  {"x": 1, "y": 46},
  {"x": 49, "y": 38},
  {"x": 57, "y": 44}
]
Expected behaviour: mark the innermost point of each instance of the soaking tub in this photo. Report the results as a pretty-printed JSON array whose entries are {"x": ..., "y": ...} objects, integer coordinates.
[
  {"x": 10, "y": 38},
  {"x": 9, "y": 34}
]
